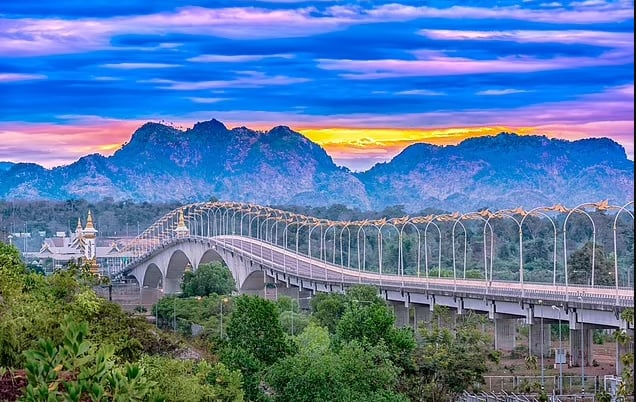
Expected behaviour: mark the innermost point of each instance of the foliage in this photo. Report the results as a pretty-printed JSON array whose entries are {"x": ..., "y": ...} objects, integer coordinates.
[
  {"x": 255, "y": 340},
  {"x": 627, "y": 376},
  {"x": 33, "y": 309},
  {"x": 293, "y": 323},
  {"x": 448, "y": 362},
  {"x": 327, "y": 309},
  {"x": 254, "y": 326},
  {"x": 76, "y": 370},
  {"x": 580, "y": 266},
  {"x": 320, "y": 373},
  {"x": 211, "y": 278},
  {"x": 12, "y": 271},
  {"x": 369, "y": 320},
  {"x": 190, "y": 381},
  {"x": 130, "y": 336}
]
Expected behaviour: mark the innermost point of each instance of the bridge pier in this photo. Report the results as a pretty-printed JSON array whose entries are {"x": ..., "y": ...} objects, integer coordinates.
[
  {"x": 402, "y": 314},
  {"x": 505, "y": 334},
  {"x": 575, "y": 346},
  {"x": 421, "y": 314},
  {"x": 536, "y": 341},
  {"x": 171, "y": 286}
]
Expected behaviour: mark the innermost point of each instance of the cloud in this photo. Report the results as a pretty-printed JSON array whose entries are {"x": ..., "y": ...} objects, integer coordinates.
[
  {"x": 12, "y": 77},
  {"x": 617, "y": 40},
  {"x": 428, "y": 65},
  {"x": 56, "y": 144},
  {"x": 219, "y": 58},
  {"x": 421, "y": 92},
  {"x": 246, "y": 79},
  {"x": 496, "y": 92},
  {"x": 206, "y": 100},
  {"x": 137, "y": 66},
  {"x": 24, "y": 37}
]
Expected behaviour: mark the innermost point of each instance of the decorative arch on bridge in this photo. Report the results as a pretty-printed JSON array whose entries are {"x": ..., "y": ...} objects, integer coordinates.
[{"x": 153, "y": 277}]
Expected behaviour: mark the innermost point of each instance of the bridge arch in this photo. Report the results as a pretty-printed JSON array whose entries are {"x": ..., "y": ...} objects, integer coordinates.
[
  {"x": 153, "y": 277},
  {"x": 174, "y": 271},
  {"x": 208, "y": 256}
]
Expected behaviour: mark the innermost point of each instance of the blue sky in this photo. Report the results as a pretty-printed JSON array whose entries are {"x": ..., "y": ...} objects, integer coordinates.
[{"x": 362, "y": 78}]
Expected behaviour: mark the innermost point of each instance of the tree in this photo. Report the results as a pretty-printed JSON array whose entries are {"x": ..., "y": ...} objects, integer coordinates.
[
  {"x": 12, "y": 271},
  {"x": 255, "y": 340},
  {"x": 188, "y": 380},
  {"x": 327, "y": 309},
  {"x": 626, "y": 387},
  {"x": 212, "y": 278},
  {"x": 580, "y": 266},
  {"x": 369, "y": 320},
  {"x": 446, "y": 363},
  {"x": 320, "y": 373}
]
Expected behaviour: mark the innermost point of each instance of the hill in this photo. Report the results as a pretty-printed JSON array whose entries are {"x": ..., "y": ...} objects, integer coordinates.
[{"x": 282, "y": 167}]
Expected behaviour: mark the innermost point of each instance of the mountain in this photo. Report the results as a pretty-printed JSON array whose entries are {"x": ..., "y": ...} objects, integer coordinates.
[
  {"x": 5, "y": 165},
  {"x": 282, "y": 167},
  {"x": 503, "y": 171},
  {"x": 161, "y": 163}
]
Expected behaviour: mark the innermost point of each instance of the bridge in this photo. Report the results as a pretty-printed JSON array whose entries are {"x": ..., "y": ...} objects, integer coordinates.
[{"x": 416, "y": 262}]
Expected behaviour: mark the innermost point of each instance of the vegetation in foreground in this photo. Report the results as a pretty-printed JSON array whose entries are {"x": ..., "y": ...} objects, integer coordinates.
[{"x": 60, "y": 342}]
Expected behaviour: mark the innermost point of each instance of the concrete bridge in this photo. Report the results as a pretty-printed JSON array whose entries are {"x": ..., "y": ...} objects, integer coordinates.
[{"x": 260, "y": 257}]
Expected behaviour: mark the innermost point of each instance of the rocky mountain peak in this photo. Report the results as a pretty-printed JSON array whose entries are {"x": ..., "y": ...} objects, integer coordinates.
[{"x": 211, "y": 126}]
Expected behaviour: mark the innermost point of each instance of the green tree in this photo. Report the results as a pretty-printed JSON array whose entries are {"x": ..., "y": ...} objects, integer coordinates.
[
  {"x": 255, "y": 340},
  {"x": 190, "y": 381},
  {"x": 12, "y": 271},
  {"x": 580, "y": 266},
  {"x": 327, "y": 309},
  {"x": 320, "y": 373},
  {"x": 626, "y": 387},
  {"x": 211, "y": 278},
  {"x": 448, "y": 362},
  {"x": 369, "y": 320}
]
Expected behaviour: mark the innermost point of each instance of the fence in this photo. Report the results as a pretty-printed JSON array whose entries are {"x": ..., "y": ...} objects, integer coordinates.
[
  {"x": 526, "y": 384},
  {"x": 128, "y": 295}
]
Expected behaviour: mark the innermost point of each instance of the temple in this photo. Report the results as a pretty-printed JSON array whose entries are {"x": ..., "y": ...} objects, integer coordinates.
[{"x": 83, "y": 247}]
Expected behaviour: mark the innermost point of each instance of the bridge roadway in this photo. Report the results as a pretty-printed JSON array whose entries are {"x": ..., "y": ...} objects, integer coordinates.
[
  {"x": 598, "y": 305},
  {"x": 281, "y": 260}
]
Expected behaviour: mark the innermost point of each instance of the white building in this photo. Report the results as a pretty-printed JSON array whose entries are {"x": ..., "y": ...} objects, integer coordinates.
[{"x": 81, "y": 246}]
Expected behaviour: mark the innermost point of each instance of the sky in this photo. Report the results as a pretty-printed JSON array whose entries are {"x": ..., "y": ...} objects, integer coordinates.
[{"x": 364, "y": 78}]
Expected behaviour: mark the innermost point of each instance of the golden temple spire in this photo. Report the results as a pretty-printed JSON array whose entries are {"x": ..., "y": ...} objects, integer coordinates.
[
  {"x": 89, "y": 230},
  {"x": 182, "y": 229},
  {"x": 79, "y": 225},
  {"x": 89, "y": 221}
]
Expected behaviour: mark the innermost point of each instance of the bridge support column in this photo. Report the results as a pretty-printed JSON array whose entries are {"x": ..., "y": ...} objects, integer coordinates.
[
  {"x": 421, "y": 314},
  {"x": 535, "y": 339},
  {"x": 171, "y": 286},
  {"x": 291, "y": 291},
  {"x": 575, "y": 346},
  {"x": 401, "y": 311},
  {"x": 622, "y": 350},
  {"x": 505, "y": 334}
]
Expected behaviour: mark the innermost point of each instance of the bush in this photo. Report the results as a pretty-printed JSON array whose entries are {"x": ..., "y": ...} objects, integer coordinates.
[{"x": 76, "y": 370}]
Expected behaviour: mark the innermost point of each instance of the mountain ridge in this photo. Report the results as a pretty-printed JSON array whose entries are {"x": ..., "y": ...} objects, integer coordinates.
[{"x": 280, "y": 166}]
